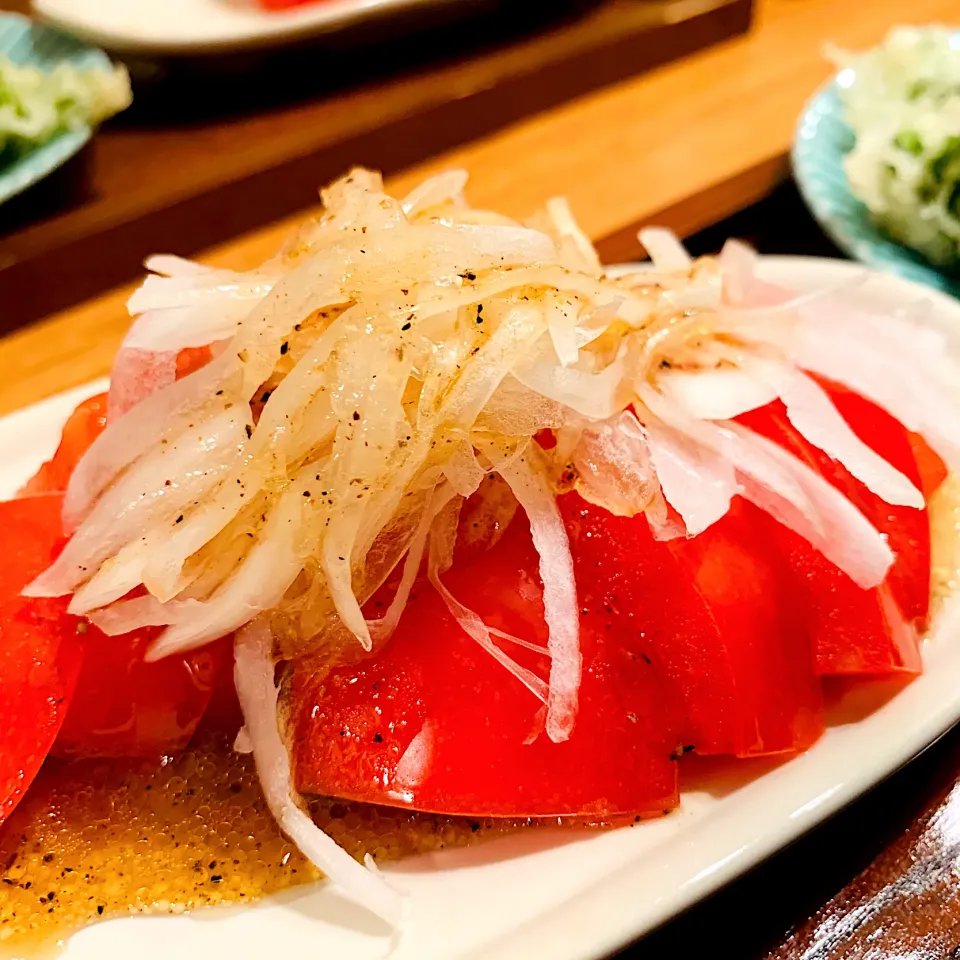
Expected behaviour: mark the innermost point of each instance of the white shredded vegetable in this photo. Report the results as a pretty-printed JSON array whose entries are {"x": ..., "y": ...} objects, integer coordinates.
[
  {"x": 396, "y": 362},
  {"x": 258, "y": 693}
]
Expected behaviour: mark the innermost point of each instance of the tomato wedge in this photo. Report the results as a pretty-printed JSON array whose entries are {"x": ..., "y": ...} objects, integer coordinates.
[
  {"x": 434, "y": 722},
  {"x": 933, "y": 471},
  {"x": 710, "y": 615},
  {"x": 284, "y": 4},
  {"x": 857, "y": 631},
  {"x": 86, "y": 423},
  {"x": 907, "y": 529},
  {"x": 40, "y": 654},
  {"x": 122, "y": 705},
  {"x": 126, "y": 707},
  {"x": 686, "y": 645}
]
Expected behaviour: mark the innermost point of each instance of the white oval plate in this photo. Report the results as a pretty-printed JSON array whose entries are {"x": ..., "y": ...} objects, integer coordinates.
[
  {"x": 565, "y": 895},
  {"x": 194, "y": 26}
]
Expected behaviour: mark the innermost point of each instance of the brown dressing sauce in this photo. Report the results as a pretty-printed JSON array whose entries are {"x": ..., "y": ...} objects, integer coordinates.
[{"x": 98, "y": 839}]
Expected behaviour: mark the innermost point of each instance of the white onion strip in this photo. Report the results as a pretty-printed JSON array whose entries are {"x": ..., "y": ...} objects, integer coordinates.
[
  {"x": 834, "y": 526},
  {"x": 442, "y": 538},
  {"x": 383, "y": 627},
  {"x": 561, "y": 612},
  {"x": 812, "y": 412},
  {"x": 258, "y": 695}
]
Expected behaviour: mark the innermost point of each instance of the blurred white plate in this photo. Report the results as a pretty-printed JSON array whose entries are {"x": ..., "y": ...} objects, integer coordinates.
[
  {"x": 195, "y": 26},
  {"x": 565, "y": 895}
]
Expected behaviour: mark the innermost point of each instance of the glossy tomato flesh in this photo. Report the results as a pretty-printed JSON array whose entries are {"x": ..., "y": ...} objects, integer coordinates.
[
  {"x": 746, "y": 586},
  {"x": 857, "y": 631},
  {"x": 122, "y": 705},
  {"x": 39, "y": 650},
  {"x": 907, "y": 529},
  {"x": 126, "y": 707},
  {"x": 284, "y": 4},
  {"x": 85, "y": 424},
  {"x": 710, "y": 614},
  {"x": 932, "y": 470},
  {"x": 434, "y": 722}
]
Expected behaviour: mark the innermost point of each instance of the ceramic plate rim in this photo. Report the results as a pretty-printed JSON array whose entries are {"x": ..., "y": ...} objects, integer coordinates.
[
  {"x": 266, "y": 30},
  {"x": 609, "y": 912}
]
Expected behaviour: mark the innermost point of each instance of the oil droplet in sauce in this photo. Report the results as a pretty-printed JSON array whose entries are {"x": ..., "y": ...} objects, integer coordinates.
[{"x": 99, "y": 839}]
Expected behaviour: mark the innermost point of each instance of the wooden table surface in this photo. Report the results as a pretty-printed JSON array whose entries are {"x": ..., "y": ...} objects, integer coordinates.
[
  {"x": 688, "y": 145},
  {"x": 217, "y": 145},
  {"x": 685, "y": 145}
]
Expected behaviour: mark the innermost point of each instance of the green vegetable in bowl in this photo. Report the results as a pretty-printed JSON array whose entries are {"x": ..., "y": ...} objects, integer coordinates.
[
  {"x": 35, "y": 105},
  {"x": 902, "y": 100}
]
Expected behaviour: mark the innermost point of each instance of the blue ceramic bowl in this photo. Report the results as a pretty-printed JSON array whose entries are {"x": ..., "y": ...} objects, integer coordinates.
[
  {"x": 26, "y": 42},
  {"x": 821, "y": 141}
]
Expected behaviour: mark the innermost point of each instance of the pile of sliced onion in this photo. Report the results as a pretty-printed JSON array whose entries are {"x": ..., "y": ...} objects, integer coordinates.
[{"x": 396, "y": 353}]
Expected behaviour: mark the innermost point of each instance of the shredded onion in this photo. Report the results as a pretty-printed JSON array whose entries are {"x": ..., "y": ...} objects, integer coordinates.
[
  {"x": 258, "y": 693},
  {"x": 559, "y": 591},
  {"x": 400, "y": 358}
]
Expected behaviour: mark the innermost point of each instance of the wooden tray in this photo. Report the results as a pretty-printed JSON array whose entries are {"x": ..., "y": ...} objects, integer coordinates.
[{"x": 177, "y": 173}]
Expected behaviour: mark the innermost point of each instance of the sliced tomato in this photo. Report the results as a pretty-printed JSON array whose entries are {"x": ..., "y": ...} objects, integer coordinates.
[
  {"x": 907, "y": 529},
  {"x": 192, "y": 358},
  {"x": 86, "y": 423},
  {"x": 284, "y": 4},
  {"x": 747, "y": 587},
  {"x": 435, "y": 723},
  {"x": 856, "y": 631},
  {"x": 122, "y": 705},
  {"x": 933, "y": 471},
  {"x": 40, "y": 654},
  {"x": 709, "y": 612},
  {"x": 126, "y": 707}
]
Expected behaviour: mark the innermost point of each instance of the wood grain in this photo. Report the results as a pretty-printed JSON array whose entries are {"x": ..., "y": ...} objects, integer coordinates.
[
  {"x": 684, "y": 145},
  {"x": 215, "y": 147}
]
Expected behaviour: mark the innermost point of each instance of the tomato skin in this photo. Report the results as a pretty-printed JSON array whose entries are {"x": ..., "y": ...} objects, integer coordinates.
[
  {"x": 906, "y": 528},
  {"x": 40, "y": 655},
  {"x": 706, "y": 609},
  {"x": 85, "y": 424},
  {"x": 746, "y": 586},
  {"x": 283, "y": 4},
  {"x": 126, "y": 707},
  {"x": 432, "y": 682},
  {"x": 932, "y": 470},
  {"x": 123, "y": 706},
  {"x": 190, "y": 359},
  {"x": 856, "y": 631}
]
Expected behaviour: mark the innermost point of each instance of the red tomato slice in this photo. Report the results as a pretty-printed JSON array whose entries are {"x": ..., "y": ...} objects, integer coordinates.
[
  {"x": 122, "y": 706},
  {"x": 933, "y": 471},
  {"x": 86, "y": 423},
  {"x": 125, "y": 707},
  {"x": 707, "y": 610},
  {"x": 190, "y": 359},
  {"x": 906, "y": 528},
  {"x": 435, "y": 723},
  {"x": 856, "y": 631},
  {"x": 747, "y": 587},
  {"x": 283, "y": 4},
  {"x": 39, "y": 651}
]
